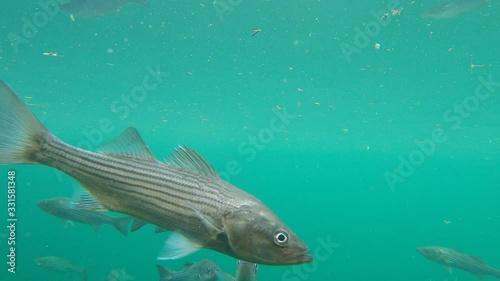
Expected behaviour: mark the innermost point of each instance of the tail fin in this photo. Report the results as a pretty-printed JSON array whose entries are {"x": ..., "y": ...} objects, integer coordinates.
[
  {"x": 121, "y": 224},
  {"x": 19, "y": 129}
]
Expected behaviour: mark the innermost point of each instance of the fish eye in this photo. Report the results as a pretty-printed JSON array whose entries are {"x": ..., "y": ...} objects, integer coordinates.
[
  {"x": 280, "y": 237},
  {"x": 208, "y": 269}
]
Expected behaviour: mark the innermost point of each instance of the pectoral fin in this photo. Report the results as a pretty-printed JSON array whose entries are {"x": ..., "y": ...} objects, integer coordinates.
[
  {"x": 67, "y": 222},
  {"x": 177, "y": 246},
  {"x": 212, "y": 229}
]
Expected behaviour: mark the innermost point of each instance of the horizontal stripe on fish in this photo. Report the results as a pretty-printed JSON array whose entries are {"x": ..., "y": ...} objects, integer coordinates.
[{"x": 144, "y": 175}]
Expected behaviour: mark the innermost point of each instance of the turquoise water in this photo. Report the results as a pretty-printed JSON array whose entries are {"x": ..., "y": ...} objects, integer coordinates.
[{"x": 373, "y": 155}]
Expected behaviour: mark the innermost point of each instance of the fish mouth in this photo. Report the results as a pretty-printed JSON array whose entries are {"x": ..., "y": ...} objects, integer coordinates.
[
  {"x": 299, "y": 257},
  {"x": 41, "y": 205},
  {"x": 422, "y": 251},
  {"x": 305, "y": 258}
]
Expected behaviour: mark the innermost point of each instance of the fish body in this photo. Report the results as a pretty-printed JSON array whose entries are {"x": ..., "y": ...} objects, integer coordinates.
[
  {"x": 453, "y": 258},
  {"x": 246, "y": 271},
  {"x": 185, "y": 196},
  {"x": 119, "y": 274},
  {"x": 65, "y": 209},
  {"x": 96, "y": 8},
  {"x": 59, "y": 264},
  {"x": 204, "y": 270},
  {"x": 453, "y": 9}
]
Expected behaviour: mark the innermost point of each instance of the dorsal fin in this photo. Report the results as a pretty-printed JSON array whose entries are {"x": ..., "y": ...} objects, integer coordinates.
[
  {"x": 189, "y": 159},
  {"x": 129, "y": 144}
]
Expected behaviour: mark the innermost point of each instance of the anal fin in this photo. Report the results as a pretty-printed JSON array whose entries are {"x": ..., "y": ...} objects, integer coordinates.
[{"x": 177, "y": 246}]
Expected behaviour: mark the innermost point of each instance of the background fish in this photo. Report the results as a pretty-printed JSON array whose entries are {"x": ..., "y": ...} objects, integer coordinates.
[
  {"x": 61, "y": 265},
  {"x": 185, "y": 195},
  {"x": 204, "y": 270},
  {"x": 453, "y": 9},
  {"x": 97, "y": 8},
  {"x": 119, "y": 274},
  {"x": 63, "y": 208},
  {"x": 246, "y": 271},
  {"x": 457, "y": 259}
]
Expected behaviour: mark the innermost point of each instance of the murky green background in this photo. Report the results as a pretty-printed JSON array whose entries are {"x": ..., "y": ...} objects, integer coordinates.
[{"x": 354, "y": 119}]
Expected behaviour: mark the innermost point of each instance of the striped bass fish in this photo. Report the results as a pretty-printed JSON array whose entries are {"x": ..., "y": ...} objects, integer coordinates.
[
  {"x": 185, "y": 195},
  {"x": 453, "y": 9},
  {"x": 204, "y": 270},
  {"x": 64, "y": 208},
  {"x": 58, "y": 264},
  {"x": 245, "y": 271},
  {"x": 457, "y": 259},
  {"x": 119, "y": 274}
]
